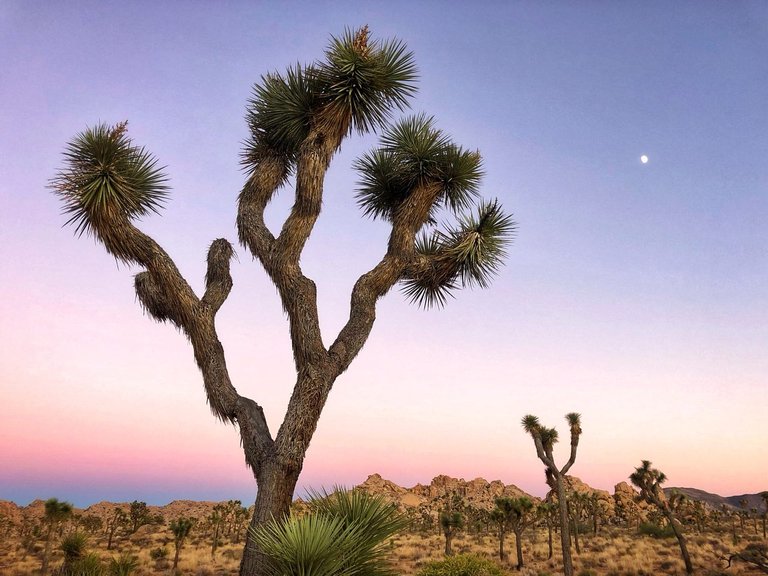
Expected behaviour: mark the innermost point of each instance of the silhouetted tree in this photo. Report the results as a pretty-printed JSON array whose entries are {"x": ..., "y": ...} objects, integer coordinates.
[
  {"x": 118, "y": 518},
  {"x": 649, "y": 481},
  {"x": 139, "y": 515},
  {"x": 544, "y": 439},
  {"x": 297, "y": 123}
]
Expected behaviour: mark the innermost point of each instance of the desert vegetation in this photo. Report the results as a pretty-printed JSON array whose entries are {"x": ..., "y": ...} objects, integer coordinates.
[{"x": 630, "y": 538}]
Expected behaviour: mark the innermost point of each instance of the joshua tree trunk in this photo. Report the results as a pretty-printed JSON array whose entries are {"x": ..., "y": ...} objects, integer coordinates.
[
  {"x": 576, "y": 535},
  {"x": 273, "y": 500},
  {"x": 448, "y": 541},
  {"x": 501, "y": 545},
  {"x": 565, "y": 536},
  {"x": 681, "y": 541},
  {"x": 519, "y": 548},
  {"x": 549, "y": 539}
]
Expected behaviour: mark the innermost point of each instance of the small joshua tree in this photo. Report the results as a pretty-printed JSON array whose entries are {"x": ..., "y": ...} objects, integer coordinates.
[
  {"x": 55, "y": 513},
  {"x": 450, "y": 522},
  {"x": 544, "y": 439},
  {"x": 764, "y": 496},
  {"x": 522, "y": 516},
  {"x": 118, "y": 518},
  {"x": 649, "y": 480},
  {"x": 180, "y": 528}
]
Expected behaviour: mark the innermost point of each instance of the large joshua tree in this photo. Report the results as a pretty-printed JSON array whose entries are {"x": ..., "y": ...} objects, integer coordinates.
[
  {"x": 297, "y": 122},
  {"x": 544, "y": 439},
  {"x": 649, "y": 480}
]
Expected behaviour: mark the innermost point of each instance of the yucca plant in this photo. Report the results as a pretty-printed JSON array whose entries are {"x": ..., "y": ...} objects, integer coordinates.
[
  {"x": 297, "y": 120},
  {"x": 123, "y": 565},
  {"x": 343, "y": 534}
]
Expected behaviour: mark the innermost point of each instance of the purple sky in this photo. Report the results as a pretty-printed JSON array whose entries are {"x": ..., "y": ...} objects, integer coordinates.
[{"x": 634, "y": 293}]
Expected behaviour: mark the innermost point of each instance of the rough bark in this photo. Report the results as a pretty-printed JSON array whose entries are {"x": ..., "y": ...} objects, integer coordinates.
[
  {"x": 519, "y": 548},
  {"x": 680, "y": 539}
]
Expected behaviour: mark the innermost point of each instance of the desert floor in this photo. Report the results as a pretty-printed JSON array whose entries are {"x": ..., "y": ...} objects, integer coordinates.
[{"x": 614, "y": 552}]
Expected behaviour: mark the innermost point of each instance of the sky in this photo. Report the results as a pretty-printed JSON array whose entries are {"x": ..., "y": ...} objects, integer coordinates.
[{"x": 634, "y": 294}]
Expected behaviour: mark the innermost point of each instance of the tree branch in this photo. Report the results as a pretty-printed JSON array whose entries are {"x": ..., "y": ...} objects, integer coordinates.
[{"x": 372, "y": 285}]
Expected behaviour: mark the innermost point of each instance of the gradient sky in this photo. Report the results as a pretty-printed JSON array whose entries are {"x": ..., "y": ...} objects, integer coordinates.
[{"x": 634, "y": 294}]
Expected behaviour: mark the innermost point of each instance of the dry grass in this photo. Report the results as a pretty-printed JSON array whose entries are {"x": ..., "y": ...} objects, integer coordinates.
[{"x": 615, "y": 552}]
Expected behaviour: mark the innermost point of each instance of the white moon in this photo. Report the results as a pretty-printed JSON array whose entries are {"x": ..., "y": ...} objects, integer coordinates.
[{"x": 644, "y": 159}]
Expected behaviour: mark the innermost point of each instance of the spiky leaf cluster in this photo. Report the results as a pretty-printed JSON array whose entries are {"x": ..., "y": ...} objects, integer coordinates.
[
  {"x": 106, "y": 176},
  {"x": 548, "y": 436},
  {"x": 414, "y": 153},
  {"x": 648, "y": 480},
  {"x": 363, "y": 80},
  {"x": 356, "y": 86},
  {"x": 342, "y": 535}
]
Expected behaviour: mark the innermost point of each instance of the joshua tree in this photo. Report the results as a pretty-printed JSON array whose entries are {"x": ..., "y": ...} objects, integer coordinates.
[
  {"x": 522, "y": 516},
  {"x": 297, "y": 122},
  {"x": 55, "y": 513},
  {"x": 180, "y": 528},
  {"x": 764, "y": 496},
  {"x": 139, "y": 515},
  {"x": 544, "y": 439},
  {"x": 500, "y": 516},
  {"x": 117, "y": 519},
  {"x": 215, "y": 520},
  {"x": 450, "y": 522},
  {"x": 649, "y": 481},
  {"x": 548, "y": 511}
]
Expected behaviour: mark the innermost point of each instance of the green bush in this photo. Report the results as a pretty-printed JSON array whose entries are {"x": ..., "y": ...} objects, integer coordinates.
[
  {"x": 461, "y": 565},
  {"x": 344, "y": 534},
  {"x": 655, "y": 531},
  {"x": 158, "y": 553}
]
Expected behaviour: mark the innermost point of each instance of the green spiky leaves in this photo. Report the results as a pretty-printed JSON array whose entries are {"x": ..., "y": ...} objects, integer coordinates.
[
  {"x": 413, "y": 157},
  {"x": 357, "y": 86},
  {"x": 106, "y": 176},
  {"x": 363, "y": 80},
  {"x": 414, "y": 153}
]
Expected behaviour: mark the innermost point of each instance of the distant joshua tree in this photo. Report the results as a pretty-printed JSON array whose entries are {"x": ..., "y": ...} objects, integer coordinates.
[
  {"x": 501, "y": 516},
  {"x": 55, "y": 513},
  {"x": 649, "y": 481},
  {"x": 139, "y": 515},
  {"x": 548, "y": 512},
  {"x": 544, "y": 439},
  {"x": 450, "y": 522},
  {"x": 117, "y": 519},
  {"x": 180, "y": 528},
  {"x": 522, "y": 516},
  {"x": 764, "y": 496}
]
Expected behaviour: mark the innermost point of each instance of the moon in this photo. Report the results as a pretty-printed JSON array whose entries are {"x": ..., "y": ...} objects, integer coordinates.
[{"x": 644, "y": 159}]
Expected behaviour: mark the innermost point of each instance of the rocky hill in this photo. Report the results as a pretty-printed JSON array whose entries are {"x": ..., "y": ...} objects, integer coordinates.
[{"x": 717, "y": 502}]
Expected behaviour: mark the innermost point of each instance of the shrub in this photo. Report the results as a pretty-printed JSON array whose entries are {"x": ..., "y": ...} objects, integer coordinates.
[
  {"x": 124, "y": 565},
  {"x": 655, "y": 531},
  {"x": 158, "y": 553},
  {"x": 344, "y": 533},
  {"x": 461, "y": 565}
]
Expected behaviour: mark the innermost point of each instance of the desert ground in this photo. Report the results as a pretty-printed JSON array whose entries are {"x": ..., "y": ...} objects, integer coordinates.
[{"x": 620, "y": 547}]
